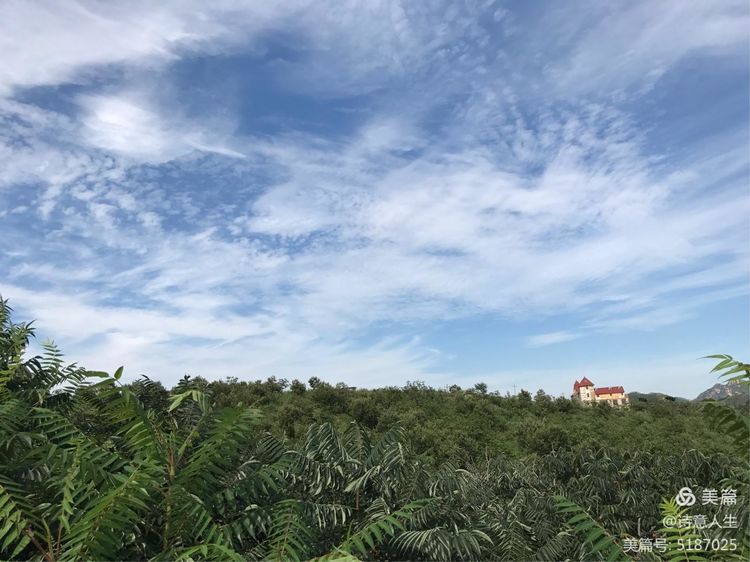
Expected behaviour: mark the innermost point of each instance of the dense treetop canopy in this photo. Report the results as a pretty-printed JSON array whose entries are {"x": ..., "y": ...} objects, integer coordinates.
[{"x": 91, "y": 468}]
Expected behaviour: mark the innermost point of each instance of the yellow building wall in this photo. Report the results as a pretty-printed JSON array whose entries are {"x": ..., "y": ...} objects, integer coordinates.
[
  {"x": 592, "y": 397},
  {"x": 616, "y": 396}
]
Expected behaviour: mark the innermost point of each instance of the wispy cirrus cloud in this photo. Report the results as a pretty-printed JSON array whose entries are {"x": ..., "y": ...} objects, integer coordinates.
[
  {"x": 646, "y": 40},
  {"x": 127, "y": 126},
  {"x": 73, "y": 42},
  {"x": 452, "y": 182},
  {"x": 550, "y": 338}
]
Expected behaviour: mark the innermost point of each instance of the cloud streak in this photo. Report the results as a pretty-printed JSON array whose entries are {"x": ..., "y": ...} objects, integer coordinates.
[
  {"x": 540, "y": 340},
  {"x": 453, "y": 188}
]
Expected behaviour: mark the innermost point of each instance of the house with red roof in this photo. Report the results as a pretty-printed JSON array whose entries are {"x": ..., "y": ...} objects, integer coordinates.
[{"x": 585, "y": 391}]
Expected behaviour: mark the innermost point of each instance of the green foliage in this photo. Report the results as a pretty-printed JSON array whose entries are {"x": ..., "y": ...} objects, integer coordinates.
[
  {"x": 13, "y": 534},
  {"x": 676, "y": 536},
  {"x": 461, "y": 425},
  {"x": 728, "y": 420},
  {"x": 93, "y": 468},
  {"x": 381, "y": 523},
  {"x": 599, "y": 540}
]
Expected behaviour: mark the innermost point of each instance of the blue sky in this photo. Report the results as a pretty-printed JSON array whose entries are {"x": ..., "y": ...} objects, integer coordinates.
[{"x": 520, "y": 193}]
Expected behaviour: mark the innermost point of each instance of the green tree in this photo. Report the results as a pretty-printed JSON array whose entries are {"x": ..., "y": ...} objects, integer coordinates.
[{"x": 297, "y": 387}]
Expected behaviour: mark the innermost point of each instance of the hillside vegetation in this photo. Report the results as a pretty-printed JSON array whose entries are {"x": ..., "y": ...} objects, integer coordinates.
[
  {"x": 91, "y": 468},
  {"x": 450, "y": 424}
]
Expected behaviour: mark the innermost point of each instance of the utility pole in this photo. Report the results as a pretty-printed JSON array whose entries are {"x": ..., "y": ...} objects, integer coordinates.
[{"x": 514, "y": 390}]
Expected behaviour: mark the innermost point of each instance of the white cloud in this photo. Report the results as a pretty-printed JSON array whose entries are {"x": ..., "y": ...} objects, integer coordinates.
[
  {"x": 437, "y": 238},
  {"x": 433, "y": 237},
  {"x": 25, "y": 154},
  {"x": 550, "y": 338},
  {"x": 631, "y": 45},
  {"x": 503, "y": 208},
  {"x": 121, "y": 125},
  {"x": 447, "y": 234},
  {"x": 126, "y": 125},
  {"x": 46, "y": 42},
  {"x": 198, "y": 339}
]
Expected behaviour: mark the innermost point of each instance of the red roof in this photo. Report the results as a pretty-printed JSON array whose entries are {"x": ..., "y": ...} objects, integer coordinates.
[
  {"x": 585, "y": 382},
  {"x": 609, "y": 390}
]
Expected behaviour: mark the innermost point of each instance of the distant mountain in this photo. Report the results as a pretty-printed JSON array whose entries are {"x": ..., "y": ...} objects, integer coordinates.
[
  {"x": 653, "y": 397},
  {"x": 731, "y": 392}
]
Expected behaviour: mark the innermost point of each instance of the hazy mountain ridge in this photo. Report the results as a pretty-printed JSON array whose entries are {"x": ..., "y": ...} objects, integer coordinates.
[
  {"x": 654, "y": 396},
  {"x": 732, "y": 392}
]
